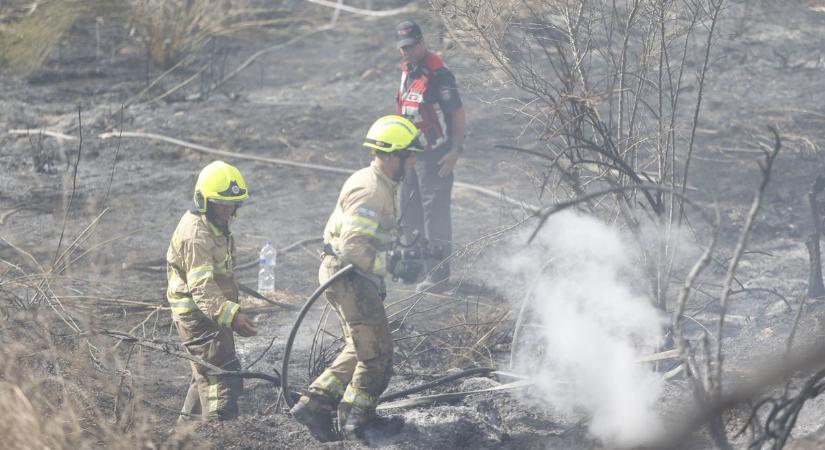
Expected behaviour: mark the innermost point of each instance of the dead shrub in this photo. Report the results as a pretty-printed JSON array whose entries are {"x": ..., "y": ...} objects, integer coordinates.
[
  {"x": 176, "y": 28},
  {"x": 61, "y": 385},
  {"x": 51, "y": 393},
  {"x": 44, "y": 158},
  {"x": 170, "y": 29},
  {"x": 29, "y": 37},
  {"x": 463, "y": 332}
]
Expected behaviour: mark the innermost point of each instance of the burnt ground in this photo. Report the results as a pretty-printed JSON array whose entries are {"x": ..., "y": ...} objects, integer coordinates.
[{"x": 311, "y": 102}]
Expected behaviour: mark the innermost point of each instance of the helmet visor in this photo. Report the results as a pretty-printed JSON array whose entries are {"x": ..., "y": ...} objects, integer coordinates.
[{"x": 221, "y": 201}]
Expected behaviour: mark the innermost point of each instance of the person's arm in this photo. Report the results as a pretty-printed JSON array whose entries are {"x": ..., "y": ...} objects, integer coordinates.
[
  {"x": 456, "y": 129},
  {"x": 358, "y": 231},
  {"x": 450, "y": 102}
]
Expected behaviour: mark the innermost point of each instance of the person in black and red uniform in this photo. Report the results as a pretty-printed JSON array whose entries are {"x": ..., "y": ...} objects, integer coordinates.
[{"x": 429, "y": 98}]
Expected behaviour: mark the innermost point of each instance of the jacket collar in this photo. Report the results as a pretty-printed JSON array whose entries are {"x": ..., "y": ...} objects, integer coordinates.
[
  {"x": 383, "y": 176},
  {"x": 216, "y": 230}
]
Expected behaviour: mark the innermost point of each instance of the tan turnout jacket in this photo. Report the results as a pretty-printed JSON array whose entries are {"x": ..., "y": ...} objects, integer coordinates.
[
  {"x": 201, "y": 290},
  {"x": 363, "y": 225}
]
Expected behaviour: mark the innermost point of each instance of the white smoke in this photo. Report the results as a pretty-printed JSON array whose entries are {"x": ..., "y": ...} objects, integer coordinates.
[{"x": 591, "y": 321}]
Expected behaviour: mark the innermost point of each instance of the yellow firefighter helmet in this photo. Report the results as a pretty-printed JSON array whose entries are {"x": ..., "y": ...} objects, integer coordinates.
[
  {"x": 391, "y": 134},
  {"x": 219, "y": 182}
]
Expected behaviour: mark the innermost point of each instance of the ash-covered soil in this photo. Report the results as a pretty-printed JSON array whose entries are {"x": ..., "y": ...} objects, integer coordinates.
[{"x": 312, "y": 101}]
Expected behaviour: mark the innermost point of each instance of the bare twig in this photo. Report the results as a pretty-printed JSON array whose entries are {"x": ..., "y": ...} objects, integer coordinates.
[
  {"x": 546, "y": 212},
  {"x": 114, "y": 163},
  {"x": 170, "y": 349},
  {"x": 716, "y": 8},
  {"x": 179, "y": 85},
  {"x": 74, "y": 184},
  {"x": 766, "y": 166},
  {"x": 365, "y": 12},
  {"x": 769, "y": 374}
]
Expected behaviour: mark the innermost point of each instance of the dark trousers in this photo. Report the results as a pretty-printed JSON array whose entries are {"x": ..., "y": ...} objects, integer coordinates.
[{"x": 429, "y": 209}]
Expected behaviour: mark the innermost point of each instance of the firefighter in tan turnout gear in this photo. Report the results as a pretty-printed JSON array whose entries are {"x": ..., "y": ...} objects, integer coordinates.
[
  {"x": 203, "y": 294},
  {"x": 360, "y": 230}
]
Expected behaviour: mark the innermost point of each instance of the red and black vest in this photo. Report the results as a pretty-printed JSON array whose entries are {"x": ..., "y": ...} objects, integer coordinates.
[{"x": 428, "y": 117}]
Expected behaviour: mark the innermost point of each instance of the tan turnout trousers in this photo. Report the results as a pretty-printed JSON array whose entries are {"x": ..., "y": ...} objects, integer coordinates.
[{"x": 362, "y": 370}]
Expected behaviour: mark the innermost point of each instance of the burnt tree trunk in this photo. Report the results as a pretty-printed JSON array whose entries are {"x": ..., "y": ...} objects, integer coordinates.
[{"x": 815, "y": 287}]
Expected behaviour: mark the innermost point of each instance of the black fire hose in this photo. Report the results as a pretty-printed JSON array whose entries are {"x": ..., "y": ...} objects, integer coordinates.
[
  {"x": 291, "y": 340},
  {"x": 438, "y": 382},
  {"x": 304, "y": 310}
]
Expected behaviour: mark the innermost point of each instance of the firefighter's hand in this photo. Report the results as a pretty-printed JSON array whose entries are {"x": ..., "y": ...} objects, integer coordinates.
[
  {"x": 448, "y": 162},
  {"x": 243, "y": 325}
]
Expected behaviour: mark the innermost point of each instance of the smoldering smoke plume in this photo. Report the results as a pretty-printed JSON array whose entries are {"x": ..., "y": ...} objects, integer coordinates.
[{"x": 588, "y": 323}]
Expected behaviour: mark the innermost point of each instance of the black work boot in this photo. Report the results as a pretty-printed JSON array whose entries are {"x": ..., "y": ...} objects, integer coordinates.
[{"x": 316, "y": 415}]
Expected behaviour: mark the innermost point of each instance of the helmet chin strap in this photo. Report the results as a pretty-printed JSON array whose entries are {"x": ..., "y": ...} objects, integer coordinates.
[
  {"x": 220, "y": 222},
  {"x": 403, "y": 156}
]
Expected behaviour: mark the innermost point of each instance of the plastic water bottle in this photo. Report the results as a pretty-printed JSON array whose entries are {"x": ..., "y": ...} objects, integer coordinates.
[{"x": 266, "y": 273}]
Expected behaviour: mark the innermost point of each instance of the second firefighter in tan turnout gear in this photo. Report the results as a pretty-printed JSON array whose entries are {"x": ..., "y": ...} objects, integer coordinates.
[
  {"x": 203, "y": 294},
  {"x": 360, "y": 230}
]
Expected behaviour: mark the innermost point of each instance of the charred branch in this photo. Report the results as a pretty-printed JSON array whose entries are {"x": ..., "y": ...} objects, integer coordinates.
[{"x": 815, "y": 286}]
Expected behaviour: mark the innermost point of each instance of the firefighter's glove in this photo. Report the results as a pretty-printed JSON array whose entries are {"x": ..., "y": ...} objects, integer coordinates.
[
  {"x": 405, "y": 265},
  {"x": 243, "y": 325}
]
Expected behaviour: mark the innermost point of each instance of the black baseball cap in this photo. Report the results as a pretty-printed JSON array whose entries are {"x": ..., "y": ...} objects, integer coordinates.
[{"x": 407, "y": 33}]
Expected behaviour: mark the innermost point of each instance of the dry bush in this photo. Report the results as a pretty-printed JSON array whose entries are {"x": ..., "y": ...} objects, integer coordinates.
[
  {"x": 62, "y": 386},
  {"x": 611, "y": 95},
  {"x": 45, "y": 405},
  {"x": 55, "y": 394},
  {"x": 604, "y": 101},
  {"x": 456, "y": 331},
  {"x": 170, "y": 29},
  {"x": 28, "y": 39},
  {"x": 176, "y": 28},
  {"x": 430, "y": 331}
]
